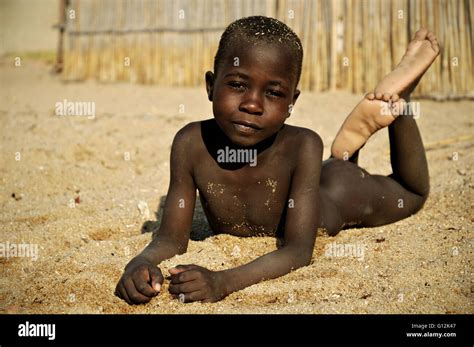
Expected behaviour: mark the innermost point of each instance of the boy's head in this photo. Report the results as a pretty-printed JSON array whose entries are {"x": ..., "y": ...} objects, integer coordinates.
[
  {"x": 260, "y": 30},
  {"x": 256, "y": 71}
]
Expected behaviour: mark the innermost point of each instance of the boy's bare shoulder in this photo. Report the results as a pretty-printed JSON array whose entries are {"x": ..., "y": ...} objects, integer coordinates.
[
  {"x": 188, "y": 133},
  {"x": 185, "y": 140},
  {"x": 303, "y": 138}
]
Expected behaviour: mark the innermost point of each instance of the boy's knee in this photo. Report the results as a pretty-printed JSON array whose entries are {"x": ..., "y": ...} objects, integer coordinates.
[
  {"x": 425, "y": 192},
  {"x": 422, "y": 199},
  {"x": 416, "y": 203}
]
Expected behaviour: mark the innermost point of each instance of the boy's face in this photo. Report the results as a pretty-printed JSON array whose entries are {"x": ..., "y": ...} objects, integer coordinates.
[{"x": 252, "y": 92}]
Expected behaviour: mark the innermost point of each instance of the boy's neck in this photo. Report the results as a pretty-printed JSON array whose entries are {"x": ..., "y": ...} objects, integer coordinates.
[
  {"x": 222, "y": 140},
  {"x": 215, "y": 139}
]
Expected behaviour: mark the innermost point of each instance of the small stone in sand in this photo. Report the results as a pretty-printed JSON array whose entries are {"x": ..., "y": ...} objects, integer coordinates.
[
  {"x": 144, "y": 210},
  {"x": 235, "y": 252},
  {"x": 17, "y": 197}
]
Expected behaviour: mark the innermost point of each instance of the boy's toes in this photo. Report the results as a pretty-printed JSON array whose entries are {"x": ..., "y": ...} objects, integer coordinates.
[
  {"x": 395, "y": 98},
  {"x": 434, "y": 41},
  {"x": 431, "y": 36},
  {"x": 370, "y": 96},
  {"x": 386, "y": 97},
  {"x": 378, "y": 96},
  {"x": 421, "y": 34}
]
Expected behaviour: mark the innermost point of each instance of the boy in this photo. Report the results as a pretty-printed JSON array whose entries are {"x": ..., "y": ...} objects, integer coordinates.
[{"x": 256, "y": 175}]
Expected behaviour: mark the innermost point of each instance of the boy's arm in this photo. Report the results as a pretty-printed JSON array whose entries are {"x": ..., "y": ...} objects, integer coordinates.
[
  {"x": 302, "y": 222},
  {"x": 142, "y": 279},
  {"x": 173, "y": 236}
]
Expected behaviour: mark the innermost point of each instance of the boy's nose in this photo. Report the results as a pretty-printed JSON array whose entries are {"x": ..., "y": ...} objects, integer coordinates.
[{"x": 252, "y": 103}]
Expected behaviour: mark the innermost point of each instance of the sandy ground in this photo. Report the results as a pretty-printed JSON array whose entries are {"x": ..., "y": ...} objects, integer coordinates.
[{"x": 419, "y": 265}]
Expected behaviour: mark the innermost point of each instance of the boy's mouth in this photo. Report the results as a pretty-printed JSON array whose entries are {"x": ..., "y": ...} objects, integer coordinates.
[{"x": 245, "y": 127}]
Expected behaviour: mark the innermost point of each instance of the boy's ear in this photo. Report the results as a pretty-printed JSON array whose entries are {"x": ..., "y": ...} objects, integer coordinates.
[
  {"x": 209, "y": 84},
  {"x": 295, "y": 95}
]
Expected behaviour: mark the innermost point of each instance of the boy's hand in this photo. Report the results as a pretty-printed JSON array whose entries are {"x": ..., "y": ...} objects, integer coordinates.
[
  {"x": 195, "y": 283},
  {"x": 140, "y": 282}
]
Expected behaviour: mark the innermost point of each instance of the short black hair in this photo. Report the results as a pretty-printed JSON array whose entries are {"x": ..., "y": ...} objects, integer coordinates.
[{"x": 257, "y": 29}]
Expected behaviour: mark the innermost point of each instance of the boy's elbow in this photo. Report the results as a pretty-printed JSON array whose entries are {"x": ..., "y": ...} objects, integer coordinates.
[
  {"x": 425, "y": 195},
  {"x": 306, "y": 259},
  {"x": 301, "y": 257},
  {"x": 421, "y": 200},
  {"x": 422, "y": 196}
]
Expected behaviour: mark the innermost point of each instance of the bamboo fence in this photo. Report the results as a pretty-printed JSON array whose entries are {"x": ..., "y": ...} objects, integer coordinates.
[{"x": 348, "y": 44}]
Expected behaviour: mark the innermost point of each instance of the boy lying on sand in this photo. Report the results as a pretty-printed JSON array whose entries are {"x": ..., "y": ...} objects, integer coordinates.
[{"x": 257, "y": 175}]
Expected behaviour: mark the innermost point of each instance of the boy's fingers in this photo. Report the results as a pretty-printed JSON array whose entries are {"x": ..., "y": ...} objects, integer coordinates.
[
  {"x": 117, "y": 293},
  {"x": 156, "y": 278},
  {"x": 184, "y": 276},
  {"x": 143, "y": 286},
  {"x": 176, "y": 289},
  {"x": 187, "y": 287},
  {"x": 180, "y": 268},
  {"x": 123, "y": 294},
  {"x": 134, "y": 296}
]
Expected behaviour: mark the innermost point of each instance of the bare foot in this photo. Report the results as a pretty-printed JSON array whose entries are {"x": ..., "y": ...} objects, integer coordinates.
[
  {"x": 420, "y": 54},
  {"x": 374, "y": 112}
]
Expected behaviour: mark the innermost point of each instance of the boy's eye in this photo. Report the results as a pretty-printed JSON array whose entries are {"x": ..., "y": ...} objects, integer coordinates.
[
  {"x": 275, "y": 93},
  {"x": 236, "y": 85}
]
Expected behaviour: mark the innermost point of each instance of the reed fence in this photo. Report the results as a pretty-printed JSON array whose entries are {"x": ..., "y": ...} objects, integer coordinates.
[{"x": 348, "y": 44}]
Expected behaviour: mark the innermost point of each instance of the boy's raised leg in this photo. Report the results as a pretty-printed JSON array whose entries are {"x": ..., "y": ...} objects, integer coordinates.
[
  {"x": 407, "y": 155},
  {"x": 357, "y": 197},
  {"x": 370, "y": 115},
  {"x": 419, "y": 55},
  {"x": 362, "y": 199},
  {"x": 362, "y": 123}
]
